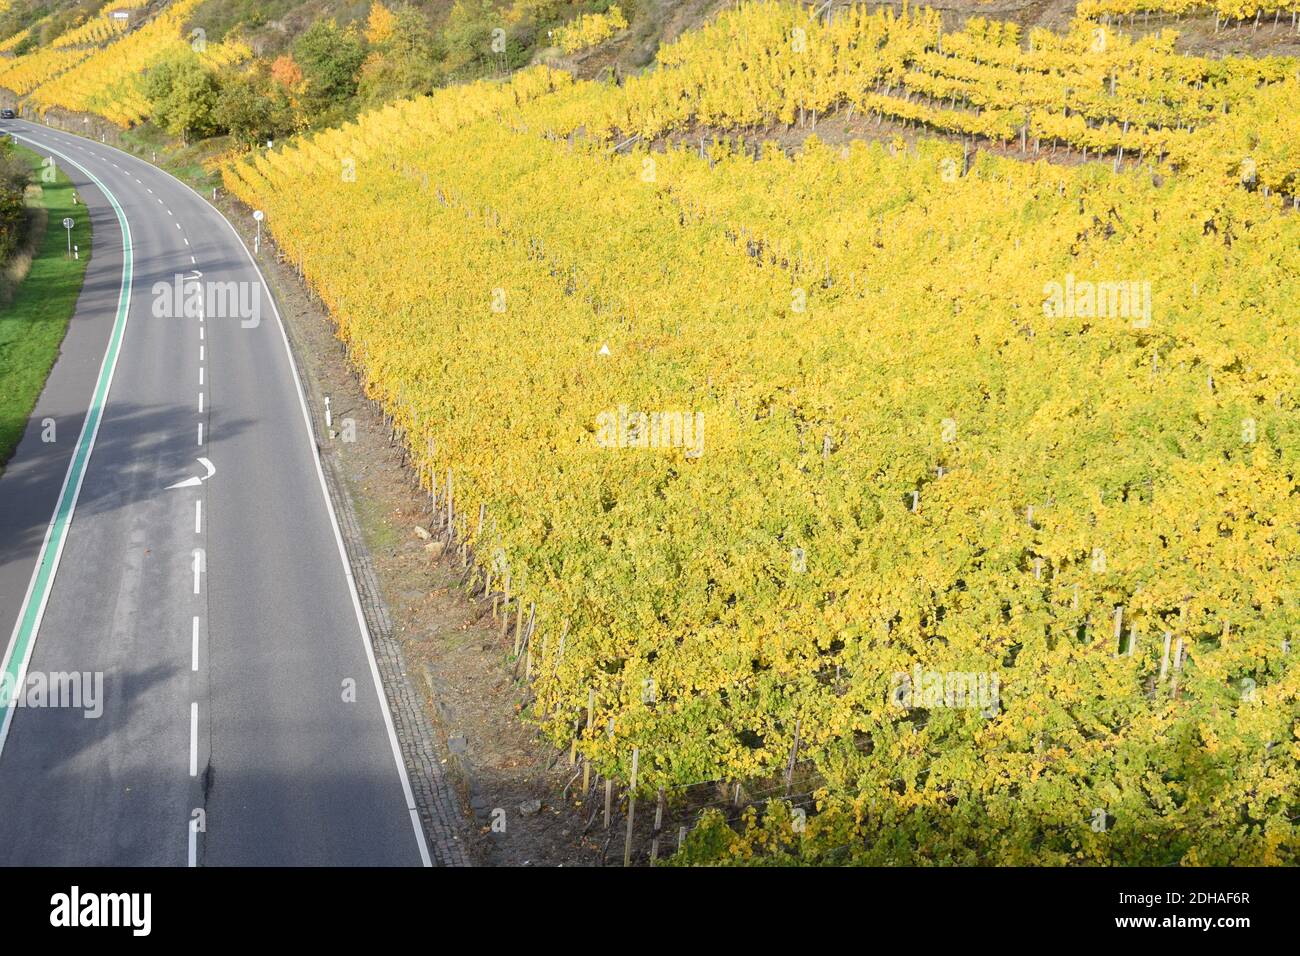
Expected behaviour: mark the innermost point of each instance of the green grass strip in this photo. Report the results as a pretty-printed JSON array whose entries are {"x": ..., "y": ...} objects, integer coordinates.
[{"x": 33, "y": 324}]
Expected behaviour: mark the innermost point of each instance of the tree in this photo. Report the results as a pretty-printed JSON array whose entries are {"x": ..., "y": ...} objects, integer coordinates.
[
  {"x": 404, "y": 63},
  {"x": 379, "y": 25},
  {"x": 330, "y": 59},
  {"x": 15, "y": 173},
  {"x": 182, "y": 93},
  {"x": 14, "y": 176},
  {"x": 254, "y": 107},
  {"x": 468, "y": 33},
  {"x": 287, "y": 73}
]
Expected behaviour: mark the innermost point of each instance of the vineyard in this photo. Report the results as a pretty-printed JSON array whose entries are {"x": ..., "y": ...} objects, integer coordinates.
[
  {"x": 756, "y": 450},
  {"x": 1226, "y": 11},
  {"x": 1091, "y": 90},
  {"x": 589, "y": 29},
  {"x": 91, "y": 33},
  {"x": 95, "y": 67},
  {"x": 23, "y": 74}
]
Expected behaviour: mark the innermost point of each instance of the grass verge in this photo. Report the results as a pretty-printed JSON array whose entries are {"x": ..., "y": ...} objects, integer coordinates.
[{"x": 34, "y": 314}]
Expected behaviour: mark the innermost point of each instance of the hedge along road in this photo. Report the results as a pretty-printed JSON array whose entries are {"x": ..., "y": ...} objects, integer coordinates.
[{"x": 192, "y": 569}]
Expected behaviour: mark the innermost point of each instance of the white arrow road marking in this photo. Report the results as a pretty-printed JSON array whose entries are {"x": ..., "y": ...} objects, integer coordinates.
[{"x": 191, "y": 482}]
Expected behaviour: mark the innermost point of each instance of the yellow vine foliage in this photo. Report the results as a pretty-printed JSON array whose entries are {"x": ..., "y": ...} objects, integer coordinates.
[
  {"x": 105, "y": 82},
  {"x": 13, "y": 41},
  {"x": 588, "y": 29},
  {"x": 1229, "y": 10},
  {"x": 91, "y": 33},
  {"x": 923, "y": 452},
  {"x": 23, "y": 74}
]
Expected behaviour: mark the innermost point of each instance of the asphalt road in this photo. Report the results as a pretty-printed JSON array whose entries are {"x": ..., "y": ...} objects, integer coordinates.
[{"x": 242, "y": 722}]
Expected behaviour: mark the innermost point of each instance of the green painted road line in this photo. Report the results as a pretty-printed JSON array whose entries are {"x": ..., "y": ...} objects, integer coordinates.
[{"x": 14, "y": 668}]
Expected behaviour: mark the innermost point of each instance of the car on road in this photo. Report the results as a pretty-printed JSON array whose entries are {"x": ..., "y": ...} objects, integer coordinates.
[{"x": 8, "y": 114}]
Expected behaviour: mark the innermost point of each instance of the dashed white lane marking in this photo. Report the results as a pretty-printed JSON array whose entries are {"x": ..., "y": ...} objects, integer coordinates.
[
  {"x": 194, "y": 739},
  {"x": 194, "y": 842},
  {"x": 198, "y": 564},
  {"x": 200, "y": 333},
  {"x": 194, "y": 646},
  {"x": 198, "y": 517},
  {"x": 192, "y": 259},
  {"x": 200, "y": 353},
  {"x": 178, "y": 225},
  {"x": 200, "y": 433},
  {"x": 200, "y": 401},
  {"x": 148, "y": 190},
  {"x": 200, "y": 376},
  {"x": 187, "y": 241}
]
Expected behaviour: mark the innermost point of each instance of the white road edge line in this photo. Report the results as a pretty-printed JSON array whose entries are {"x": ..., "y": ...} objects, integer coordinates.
[{"x": 363, "y": 630}]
